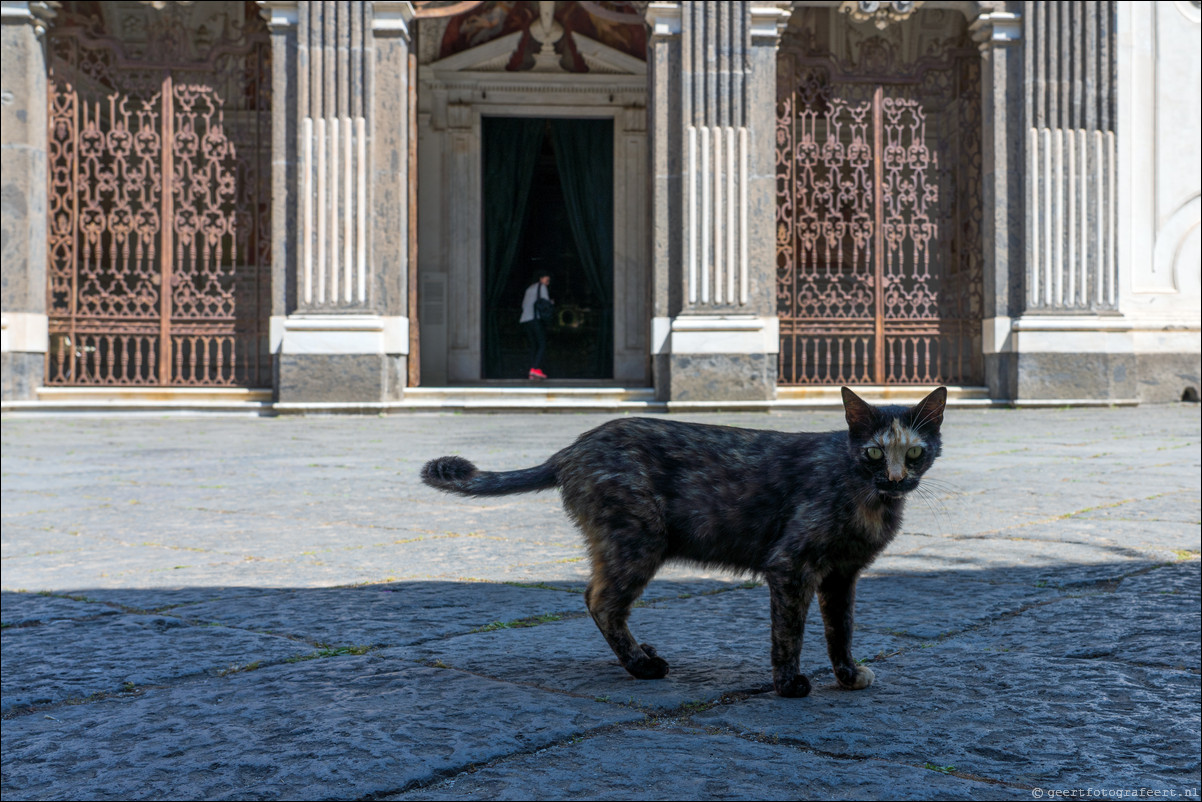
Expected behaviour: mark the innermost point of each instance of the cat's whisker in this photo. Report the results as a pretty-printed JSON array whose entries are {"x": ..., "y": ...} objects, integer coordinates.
[
  {"x": 931, "y": 408},
  {"x": 942, "y": 486},
  {"x": 936, "y": 507},
  {"x": 926, "y": 415}
]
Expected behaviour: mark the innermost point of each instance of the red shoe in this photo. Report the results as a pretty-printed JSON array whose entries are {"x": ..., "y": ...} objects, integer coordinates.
[{"x": 535, "y": 373}]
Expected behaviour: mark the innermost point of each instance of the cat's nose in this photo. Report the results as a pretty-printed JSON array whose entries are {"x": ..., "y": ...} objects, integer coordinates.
[{"x": 896, "y": 476}]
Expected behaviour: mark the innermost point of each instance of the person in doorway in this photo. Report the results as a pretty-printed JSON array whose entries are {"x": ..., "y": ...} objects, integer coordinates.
[{"x": 537, "y": 311}]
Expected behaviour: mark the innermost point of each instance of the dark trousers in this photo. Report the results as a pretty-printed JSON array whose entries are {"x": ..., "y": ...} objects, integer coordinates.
[{"x": 537, "y": 337}]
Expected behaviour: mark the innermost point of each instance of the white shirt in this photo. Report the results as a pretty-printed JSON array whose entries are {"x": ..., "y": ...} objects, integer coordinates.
[{"x": 533, "y": 292}]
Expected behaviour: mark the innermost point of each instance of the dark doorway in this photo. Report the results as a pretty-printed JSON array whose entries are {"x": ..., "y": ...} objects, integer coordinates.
[{"x": 548, "y": 206}]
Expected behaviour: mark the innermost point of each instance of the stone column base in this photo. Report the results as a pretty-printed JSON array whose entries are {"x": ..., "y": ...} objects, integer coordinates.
[
  {"x": 22, "y": 375},
  {"x": 715, "y": 357},
  {"x": 1168, "y": 377},
  {"x": 1092, "y": 359},
  {"x": 339, "y": 378},
  {"x": 324, "y": 359},
  {"x": 24, "y": 340},
  {"x": 1075, "y": 377}
]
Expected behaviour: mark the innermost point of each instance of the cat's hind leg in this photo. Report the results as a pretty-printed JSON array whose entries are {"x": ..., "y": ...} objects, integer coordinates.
[{"x": 610, "y": 595}]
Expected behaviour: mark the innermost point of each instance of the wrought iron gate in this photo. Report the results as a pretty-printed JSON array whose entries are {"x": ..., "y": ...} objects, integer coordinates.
[
  {"x": 159, "y": 201},
  {"x": 879, "y": 215}
]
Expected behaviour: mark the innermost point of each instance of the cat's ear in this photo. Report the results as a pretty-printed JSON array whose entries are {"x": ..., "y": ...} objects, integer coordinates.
[
  {"x": 928, "y": 413},
  {"x": 861, "y": 417}
]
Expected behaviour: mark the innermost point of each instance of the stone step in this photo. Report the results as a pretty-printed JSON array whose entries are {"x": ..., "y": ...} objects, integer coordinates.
[
  {"x": 480, "y": 398},
  {"x": 501, "y": 398},
  {"x": 878, "y": 394},
  {"x": 153, "y": 400}
]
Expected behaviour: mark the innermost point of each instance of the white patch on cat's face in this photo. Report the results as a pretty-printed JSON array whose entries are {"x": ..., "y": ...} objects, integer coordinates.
[{"x": 895, "y": 442}]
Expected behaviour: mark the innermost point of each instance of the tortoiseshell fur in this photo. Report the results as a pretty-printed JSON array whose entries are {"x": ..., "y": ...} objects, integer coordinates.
[{"x": 807, "y": 512}]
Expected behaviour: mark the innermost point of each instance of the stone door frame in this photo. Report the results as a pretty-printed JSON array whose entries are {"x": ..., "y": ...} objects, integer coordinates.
[{"x": 454, "y": 95}]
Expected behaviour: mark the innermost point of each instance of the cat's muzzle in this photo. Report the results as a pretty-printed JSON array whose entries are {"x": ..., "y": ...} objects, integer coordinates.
[{"x": 896, "y": 489}]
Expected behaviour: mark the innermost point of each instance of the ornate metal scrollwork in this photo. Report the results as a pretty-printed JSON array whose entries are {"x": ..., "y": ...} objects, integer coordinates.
[
  {"x": 159, "y": 175},
  {"x": 879, "y": 215},
  {"x": 879, "y": 14}
]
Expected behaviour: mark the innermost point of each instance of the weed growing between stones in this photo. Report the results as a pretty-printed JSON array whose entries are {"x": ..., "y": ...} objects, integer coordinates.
[
  {"x": 237, "y": 669},
  {"x": 519, "y": 623},
  {"x": 543, "y": 586},
  {"x": 329, "y": 651}
]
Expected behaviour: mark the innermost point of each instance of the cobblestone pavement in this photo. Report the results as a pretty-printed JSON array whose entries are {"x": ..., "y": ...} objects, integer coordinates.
[{"x": 236, "y": 608}]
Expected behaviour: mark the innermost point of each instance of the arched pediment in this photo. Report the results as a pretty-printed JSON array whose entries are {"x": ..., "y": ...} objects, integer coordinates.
[
  {"x": 538, "y": 37},
  {"x": 497, "y": 55}
]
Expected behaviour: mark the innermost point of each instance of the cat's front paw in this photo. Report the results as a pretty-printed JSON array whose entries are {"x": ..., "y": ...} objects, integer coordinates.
[
  {"x": 648, "y": 668},
  {"x": 854, "y": 679},
  {"x": 795, "y": 687}
]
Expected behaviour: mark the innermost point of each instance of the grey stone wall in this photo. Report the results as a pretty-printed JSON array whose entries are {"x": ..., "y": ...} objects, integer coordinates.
[
  {"x": 1003, "y": 92},
  {"x": 22, "y": 202}
]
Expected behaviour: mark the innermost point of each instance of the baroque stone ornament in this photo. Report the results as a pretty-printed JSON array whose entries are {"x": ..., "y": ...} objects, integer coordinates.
[
  {"x": 879, "y": 14},
  {"x": 546, "y": 31}
]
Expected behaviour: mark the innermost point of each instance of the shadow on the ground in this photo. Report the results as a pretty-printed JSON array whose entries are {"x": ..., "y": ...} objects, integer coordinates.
[{"x": 86, "y": 643}]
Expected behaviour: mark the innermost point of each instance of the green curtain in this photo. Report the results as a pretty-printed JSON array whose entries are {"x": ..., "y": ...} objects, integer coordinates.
[
  {"x": 511, "y": 146},
  {"x": 584, "y": 156}
]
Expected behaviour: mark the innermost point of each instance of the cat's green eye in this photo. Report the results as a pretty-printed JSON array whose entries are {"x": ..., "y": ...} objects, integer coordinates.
[
  {"x": 915, "y": 452},
  {"x": 875, "y": 453}
]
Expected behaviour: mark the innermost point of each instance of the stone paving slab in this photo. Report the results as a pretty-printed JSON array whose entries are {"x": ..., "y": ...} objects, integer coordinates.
[
  {"x": 1037, "y": 561},
  {"x": 22, "y": 542},
  {"x": 23, "y": 609},
  {"x": 366, "y": 726},
  {"x": 1027, "y": 719},
  {"x": 445, "y": 557},
  {"x": 978, "y": 513},
  {"x": 1153, "y": 537},
  {"x": 151, "y": 599},
  {"x": 1145, "y": 481},
  {"x": 1151, "y": 619},
  {"x": 234, "y": 533},
  {"x": 951, "y": 602},
  {"x": 1180, "y": 506},
  {"x": 385, "y": 615},
  {"x": 692, "y": 763},
  {"x": 101, "y": 563},
  {"x": 69, "y": 659}
]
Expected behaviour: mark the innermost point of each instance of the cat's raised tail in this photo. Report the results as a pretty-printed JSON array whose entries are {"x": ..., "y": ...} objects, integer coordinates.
[{"x": 457, "y": 475}]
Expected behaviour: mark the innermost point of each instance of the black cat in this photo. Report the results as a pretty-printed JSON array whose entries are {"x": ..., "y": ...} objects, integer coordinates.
[{"x": 807, "y": 512}]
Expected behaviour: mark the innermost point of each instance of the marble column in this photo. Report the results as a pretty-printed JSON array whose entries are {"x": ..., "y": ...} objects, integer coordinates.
[
  {"x": 23, "y": 180},
  {"x": 712, "y": 108},
  {"x": 340, "y": 330},
  {"x": 1060, "y": 336}
]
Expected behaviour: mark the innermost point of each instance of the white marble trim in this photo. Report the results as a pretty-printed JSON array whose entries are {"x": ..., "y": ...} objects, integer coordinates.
[
  {"x": 25, "y": 332},
  {"x": 340, "y": 334},
  {"x": 715, "y": 334}
]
